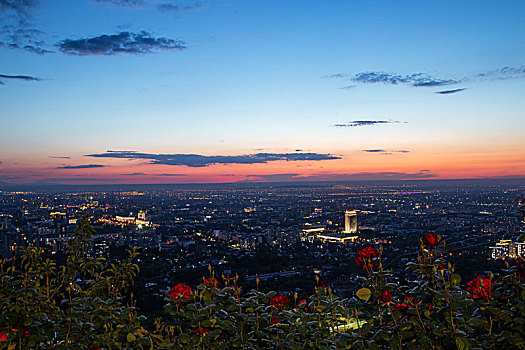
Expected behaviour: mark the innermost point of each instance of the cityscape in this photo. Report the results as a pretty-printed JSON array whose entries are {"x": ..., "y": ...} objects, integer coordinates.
[
  {"x": 306, "y": 230},
  {"x": 243, "y": 174}
]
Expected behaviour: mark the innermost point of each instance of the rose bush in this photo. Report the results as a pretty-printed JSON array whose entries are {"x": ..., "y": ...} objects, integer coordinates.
[{"x": 45, "y": 306}]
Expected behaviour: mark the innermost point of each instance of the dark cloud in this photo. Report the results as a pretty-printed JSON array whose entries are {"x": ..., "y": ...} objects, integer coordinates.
[
  {"x": 20, "y": 8},
  {"x": 135, "y": 174},
  {"x": 60, "y": 157},
  {"x": 197, "y": 160},
  {"x": 17, "y": 77},
  {"x": 385, "y": 152},
  {"x": 446, "y": 92},
  {"x": 171, "y": 175},
  {"x": 124, "y": 42},
  {"x": 17, "y": 31},
  {"x": 84, "y": 166},
  {"x": 36, "y": 49},
  {"x": 416, "y": 79},
  {"x": 366, "y": 123},
  {"x": 425, "y": 79}
]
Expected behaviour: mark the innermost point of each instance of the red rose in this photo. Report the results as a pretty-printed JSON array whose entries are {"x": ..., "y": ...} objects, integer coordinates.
[
  {"x": 279, "y": 302},
  {"x": 520, "y": 268},
  {"x": 17, "y": 329},
  {"x": 441, "y": 267},
  {"x": 480, "y": 287},
  {"x": 302, "y": 303},
  {"x": 366, "y": 257},
  {"x": 411, "y": 301},
  {"x": 180, "y": 291},
  {"x": 3, "y": 336},
  {"x": 211, "y": 283},
  {"x": 385, "y": 297},
  {"x": 402, "y": 308},
  {"x": 431, "y": 240},
  {"x": 274, "y": 319},
  {"x": 199, "y": 330}
]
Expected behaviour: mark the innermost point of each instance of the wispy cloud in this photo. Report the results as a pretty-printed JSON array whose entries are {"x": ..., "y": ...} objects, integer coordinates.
[
  {"x": 272, "y": 177},
  {"x": 425, "y": 79},
  {"x": 197, "y": 160},
  {"x": 60, "y": 157},
  {"x": 124, "y": 42},
  {"x": 447, "y": 92},
  {"x": 366, "y": 123},
  {"x": 171, "y": 175},
  {"x": 135, "y": 174},
  {"x": 503, "y": 73},
  {"x": 161, "y": 6},
  {"x": 363, "y": 176},
  {"x": 385, "y": 152},
  {"x": 18, "y": 7},
  {"x": 17, "y": 77},
  {"x": 5, "y": 177},
  {"x": 167, "y": 7},
  {"x": 416, "y": 79},
  {"x": 17, "y": 31},
  {"x": 81, "y": 179},
  {"x": 124, "y": 3},
  {"x": 83, "y": 166}
]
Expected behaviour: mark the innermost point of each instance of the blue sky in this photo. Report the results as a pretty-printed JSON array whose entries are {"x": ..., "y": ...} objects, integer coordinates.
[{"x": 227, "y": 78}]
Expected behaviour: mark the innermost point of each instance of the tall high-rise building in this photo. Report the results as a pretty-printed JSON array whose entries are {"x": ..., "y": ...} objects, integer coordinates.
[{"x": 350, "y": 221}]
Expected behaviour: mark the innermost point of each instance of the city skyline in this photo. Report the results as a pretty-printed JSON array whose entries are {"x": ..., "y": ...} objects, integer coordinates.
[{"x": 157, "y": 91}]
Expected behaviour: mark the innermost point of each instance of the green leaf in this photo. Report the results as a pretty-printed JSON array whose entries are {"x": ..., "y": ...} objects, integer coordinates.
[
  {"x": 455, "y": 278},
  {"x": 363, "y": 293},
  {"x": 131, "y": 337},
  {"x": 476, "y": 322},
  {"x": 462, "y": 343}
]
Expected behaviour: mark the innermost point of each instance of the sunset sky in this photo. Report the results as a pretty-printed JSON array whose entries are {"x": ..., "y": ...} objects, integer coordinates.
[{"x": 164, "y": 91}]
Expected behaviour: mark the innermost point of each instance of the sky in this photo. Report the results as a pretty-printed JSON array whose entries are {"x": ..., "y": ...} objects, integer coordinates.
[{"x": 165, "y": 91}]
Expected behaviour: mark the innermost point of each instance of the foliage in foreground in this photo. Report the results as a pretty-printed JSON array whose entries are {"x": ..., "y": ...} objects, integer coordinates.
[{"x": 85, "y": 304}]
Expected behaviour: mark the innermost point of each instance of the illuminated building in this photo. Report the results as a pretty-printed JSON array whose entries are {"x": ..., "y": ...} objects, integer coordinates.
[
  {"x": 350, "y": 221},
  {"x": 125, "y": 219},
  {"x": 505, "y": 248},
  {"x": 337, "y": 238}
]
